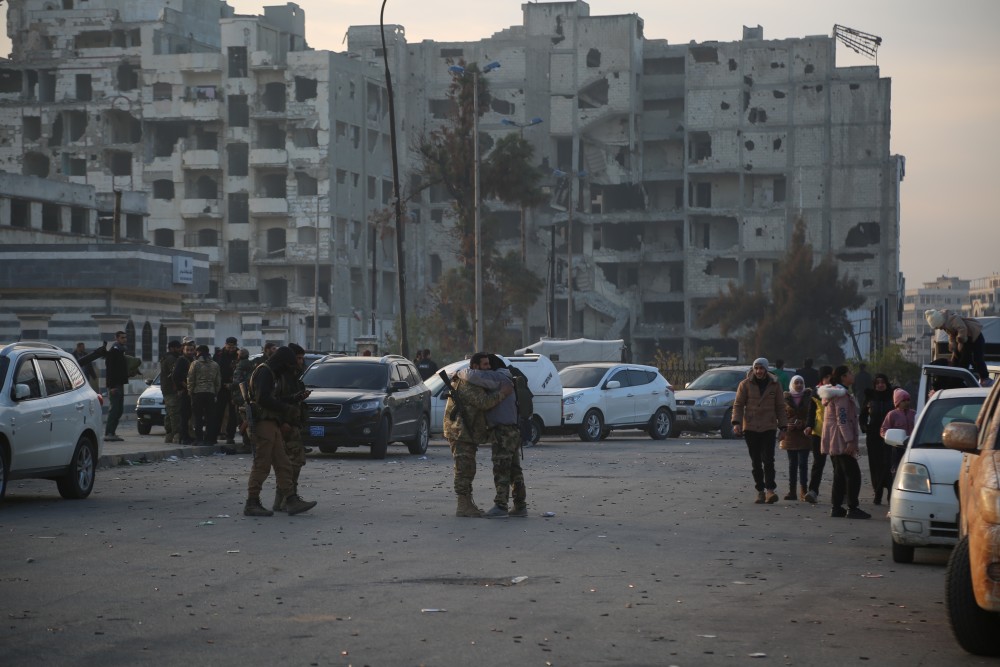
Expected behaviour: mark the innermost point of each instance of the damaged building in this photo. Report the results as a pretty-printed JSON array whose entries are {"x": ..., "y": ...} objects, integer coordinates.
[
  {"x": 675, "y": 169},
  {"x": 247, "y": 148},
  {"x": 684, "y": 167}
]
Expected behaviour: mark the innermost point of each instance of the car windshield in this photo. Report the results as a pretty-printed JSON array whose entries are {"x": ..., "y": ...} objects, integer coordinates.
[
  {"x": 580, "y": 377},
  {"x": 939, "y": 414},
  {"x": 347, "y": 375},
  {"x": 718, "y": 380}
]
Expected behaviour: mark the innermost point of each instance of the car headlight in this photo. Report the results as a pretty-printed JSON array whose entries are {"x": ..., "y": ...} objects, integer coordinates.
[
  {"x": 364, "y": 406},
  {"x": 707, "y": 401},
  {"x": 913, "y": 477},
  {"x": 990, "y": 505},
  {"x": 146, "y": 401},
  {"x": 570, "y": 400}
]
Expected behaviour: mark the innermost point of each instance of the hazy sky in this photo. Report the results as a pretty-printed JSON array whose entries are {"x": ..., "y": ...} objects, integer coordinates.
[{"x": 943, "y": 59}]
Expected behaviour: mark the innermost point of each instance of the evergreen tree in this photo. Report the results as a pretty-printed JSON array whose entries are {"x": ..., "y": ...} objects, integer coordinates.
[
  {"x": 805, "y": 314},
  {"x": 506, "y": 174}
]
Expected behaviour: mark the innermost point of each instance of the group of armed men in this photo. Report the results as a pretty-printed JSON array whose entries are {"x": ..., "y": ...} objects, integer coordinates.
[
  {"x": 207, "y": 389},
  {"x": 481, "y": 408}
]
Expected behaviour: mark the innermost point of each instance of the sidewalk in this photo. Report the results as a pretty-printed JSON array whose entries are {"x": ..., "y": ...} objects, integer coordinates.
[{"x": 135, "y": 448}]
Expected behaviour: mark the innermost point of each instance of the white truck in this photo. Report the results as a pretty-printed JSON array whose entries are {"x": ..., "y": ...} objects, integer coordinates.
[
  {"x": 565, "y": 353},
  {"x": 543, "y": 381}
]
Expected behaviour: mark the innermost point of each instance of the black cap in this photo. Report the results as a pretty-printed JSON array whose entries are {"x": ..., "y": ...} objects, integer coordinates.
[
  {"x": 172, "y": 344},
  {"x": 232, "y": 341},
  {"x": 202, "y": 349}
]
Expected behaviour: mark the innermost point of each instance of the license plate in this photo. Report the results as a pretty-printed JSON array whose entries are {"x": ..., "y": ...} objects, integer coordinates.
[{"x": 316, "y": 431}]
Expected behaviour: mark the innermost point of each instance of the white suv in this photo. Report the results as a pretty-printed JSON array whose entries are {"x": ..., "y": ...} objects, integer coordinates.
[
  {"x": 50, "y": 419},
  {"x": 601, "y": 397}
]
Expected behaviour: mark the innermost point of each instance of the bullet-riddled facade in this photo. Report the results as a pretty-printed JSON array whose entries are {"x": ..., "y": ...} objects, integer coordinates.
[{"x": 685, "y": 167}]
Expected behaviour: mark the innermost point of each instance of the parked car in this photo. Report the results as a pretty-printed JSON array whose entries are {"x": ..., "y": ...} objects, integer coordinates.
[
  {"x": 972, "y": 590},
  {"x": 149, "y": 409},
  {"x": 366, "y": 401},
  {"x": 50, "y": 419},
  {"x": 923, "y": 507},
  {"x": 599, "y": 398},
  {"x": 543, "y": 381},
  {"x": 705, "y": 405}
]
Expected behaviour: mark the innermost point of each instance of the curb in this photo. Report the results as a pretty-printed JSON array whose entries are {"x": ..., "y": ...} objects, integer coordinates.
[{"x": 181, "y": 452}]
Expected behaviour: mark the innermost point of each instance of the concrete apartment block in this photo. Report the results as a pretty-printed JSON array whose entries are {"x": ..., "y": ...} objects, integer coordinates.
[{"x": 688, "y": 164}]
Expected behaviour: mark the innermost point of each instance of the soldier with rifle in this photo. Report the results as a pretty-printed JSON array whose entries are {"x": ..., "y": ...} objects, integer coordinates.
[{"x": 465, "y": 428}]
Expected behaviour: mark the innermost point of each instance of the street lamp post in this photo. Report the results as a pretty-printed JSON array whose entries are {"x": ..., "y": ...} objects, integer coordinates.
[
  {"x": 569, "y": 249},
  {"x": 316, "y": 281},
  {"x": 477, "y": 240}
]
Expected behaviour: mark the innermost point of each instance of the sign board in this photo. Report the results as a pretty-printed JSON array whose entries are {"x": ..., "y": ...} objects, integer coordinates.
[{"x": 183, "y": 270}]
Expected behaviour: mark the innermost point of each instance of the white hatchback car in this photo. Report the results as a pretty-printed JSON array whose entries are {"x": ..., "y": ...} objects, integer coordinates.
[
  {"x": 601, "y": 397},
  {"x": 50, "y": 419},
  {"x": 923, "y": 505}
]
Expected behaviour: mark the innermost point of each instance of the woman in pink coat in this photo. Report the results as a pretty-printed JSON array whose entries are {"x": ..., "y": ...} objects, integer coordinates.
[{"x": 841, "y": 433}]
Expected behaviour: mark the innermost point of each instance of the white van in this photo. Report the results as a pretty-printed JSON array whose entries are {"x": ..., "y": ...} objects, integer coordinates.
[{"x": 543, "y": 381}]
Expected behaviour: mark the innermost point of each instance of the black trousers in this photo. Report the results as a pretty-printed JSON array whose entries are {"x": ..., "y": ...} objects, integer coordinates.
[
  {"x": 225, "y": 411},
  {"x": 760, "y": 445},
  {"x": 846, "y": 480},
  {"x": 184, "y": 399},
  {"x": 203, "y": 409},
  {"x": 819, "y": 462}
]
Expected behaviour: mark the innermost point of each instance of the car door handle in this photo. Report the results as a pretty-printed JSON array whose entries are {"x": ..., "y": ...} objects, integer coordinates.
[{"x": 46, "y": 414}]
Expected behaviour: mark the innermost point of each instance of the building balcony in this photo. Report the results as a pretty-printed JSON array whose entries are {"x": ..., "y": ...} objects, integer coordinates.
[
  {"x": 265, "y": 60},
  {"x": 193, "y": 209},
  {"x": 268, "y": 157},
  {"x": 262, "y": 207},
  {"x": 201, "y": 159},
  {"x": 183, "y": 109}
]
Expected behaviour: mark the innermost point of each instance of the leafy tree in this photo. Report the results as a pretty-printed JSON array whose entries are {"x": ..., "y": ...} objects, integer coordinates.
[
  {"x": 805, "y": 314},
  {"x": 506, "y": 174},
  {"x": 890, "y": 360}
]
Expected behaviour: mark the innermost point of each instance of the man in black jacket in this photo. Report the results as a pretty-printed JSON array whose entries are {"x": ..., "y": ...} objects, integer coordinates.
[
  {"x": 225, "y": 411},
  {"x": 183, "y": 397},
  {"x": 115, "y": 377}
]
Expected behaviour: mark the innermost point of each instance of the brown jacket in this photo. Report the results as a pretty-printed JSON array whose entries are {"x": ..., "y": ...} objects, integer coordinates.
[
  {"x": 757, "y": 411},
  {"x": 960, "y": 329}
]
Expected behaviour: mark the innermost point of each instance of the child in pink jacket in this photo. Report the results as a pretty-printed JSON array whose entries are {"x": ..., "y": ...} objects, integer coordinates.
[{"x": 901, "y": 417}]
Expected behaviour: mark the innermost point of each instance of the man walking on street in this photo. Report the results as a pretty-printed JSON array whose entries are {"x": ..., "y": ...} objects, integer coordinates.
[
  {"x": 465, "y": 428},
  {"x": 116, "y": 377},
  {"x": 758, "y": 413},
  {"x": 225, "y": 411},
  {"x": 203, "y": 383},
  {"x": 270, "y": 414},
  {"x": 508, "y": 477},
  {"x": 171, "y": 421}
]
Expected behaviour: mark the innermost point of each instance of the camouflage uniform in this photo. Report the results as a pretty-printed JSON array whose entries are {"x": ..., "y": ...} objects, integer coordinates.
[
  {"x": 507, "y": 474},
  {"x": 465, "y": 443},
  {"x": 288, "y": 386},
  {"x": 171, "y": 402}
]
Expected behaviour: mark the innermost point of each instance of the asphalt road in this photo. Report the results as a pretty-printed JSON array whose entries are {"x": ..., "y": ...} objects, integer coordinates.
[{"x": 654, "y": 555}]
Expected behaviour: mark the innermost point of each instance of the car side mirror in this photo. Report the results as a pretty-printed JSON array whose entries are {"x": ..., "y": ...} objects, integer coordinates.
[
  {"x": 149, "y": 382},
  {"x": 613, "y": 384},
  {"x": 961, "y": 436},
  {"x": 399, "y": 385},
  {"x": 21, "y": 392},
  {"x": 896, "y": 437}
]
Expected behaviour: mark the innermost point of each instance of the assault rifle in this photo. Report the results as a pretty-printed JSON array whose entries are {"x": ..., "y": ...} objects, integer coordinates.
[
  {"x": 247, "y": 407},
  {"x": 462, "y": 414}
]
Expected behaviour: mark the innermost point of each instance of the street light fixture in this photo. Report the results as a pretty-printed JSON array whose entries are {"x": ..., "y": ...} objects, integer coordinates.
[{"x": 458, "y": 70}]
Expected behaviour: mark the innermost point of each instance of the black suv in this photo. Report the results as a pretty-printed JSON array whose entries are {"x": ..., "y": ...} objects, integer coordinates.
[{"x": 366, "y": 401}]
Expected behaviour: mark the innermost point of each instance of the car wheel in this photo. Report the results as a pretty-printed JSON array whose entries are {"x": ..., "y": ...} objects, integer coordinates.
[
  {"x": 974, "y": 628},
  {"x": 328, "y": 449},
  {"x": 605, "y": 433},
  {"x": 419, "y": 444},
  {"x": 726, "y": 427},
  {"x": 901, "y": 553},
  {"x": 661, "y": 424},
  {"x": 381, "y": 443},
  {"x": 79, "y": 481},
  {"x": 144, "y": 427},
  {"x": 536, "y": 430},
  {"x": 592, "y": 426},
  {"x": 4, "y": 472},
  {"x": 675, "y": 432}
]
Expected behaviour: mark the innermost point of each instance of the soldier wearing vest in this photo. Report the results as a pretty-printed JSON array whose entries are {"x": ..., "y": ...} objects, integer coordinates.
[
  {"x": 508, "y": 477},
  {"x": 465, "y": 428},
  {"x": 171, "y": 402},
  {"x": 270, "y": 414},
  {"x": 293, "y": 391}
]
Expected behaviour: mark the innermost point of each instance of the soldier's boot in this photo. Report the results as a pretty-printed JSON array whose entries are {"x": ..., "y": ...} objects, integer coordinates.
[
  {"x": 467, "y": 508},
  {"x": 295, "y": 505},
  {"x": 497, "y": 512},
  {"x": 254, "y": 508},
  {"x": 520, "y": 510},
  {"x": 279, "y": 501}
]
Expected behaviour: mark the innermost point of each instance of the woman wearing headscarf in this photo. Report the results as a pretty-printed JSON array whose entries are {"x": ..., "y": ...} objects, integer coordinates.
[
  {"x": 876, "y": 404},
  {"x": 798, "y": 406}
]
